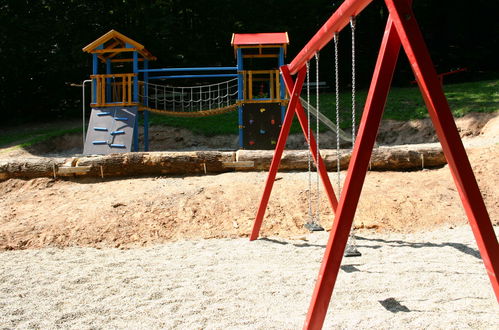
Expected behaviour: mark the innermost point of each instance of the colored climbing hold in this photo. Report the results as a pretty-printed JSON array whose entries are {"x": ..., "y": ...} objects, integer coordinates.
[
  {"x": 102, "y": 129},
  {"x": 262, "y": 131},
  {"x": 251, "y": 121},
  {"x": 121, "y": 118},
  {"x": 251, "y": 142},
  {"x": 272, "y": 121},
  {"x": 117, "y": 132},
  {"x": 263, "y": 109},
  {"x": 114, "y": 145},
  {"x": 272, "y": 142},
  {"x": 105, "y": 113},
  {"x": 99, "y": 142}
]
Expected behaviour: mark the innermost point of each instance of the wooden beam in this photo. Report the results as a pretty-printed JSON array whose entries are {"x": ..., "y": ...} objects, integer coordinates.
[{"x": 114, "y": 50}]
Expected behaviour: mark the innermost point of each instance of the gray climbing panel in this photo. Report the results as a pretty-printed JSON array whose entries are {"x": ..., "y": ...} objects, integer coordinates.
[{"x": 110, "y": 130}]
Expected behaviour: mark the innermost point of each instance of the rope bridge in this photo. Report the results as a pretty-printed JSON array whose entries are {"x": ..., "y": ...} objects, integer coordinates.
[{"x": 190, "y": 101}]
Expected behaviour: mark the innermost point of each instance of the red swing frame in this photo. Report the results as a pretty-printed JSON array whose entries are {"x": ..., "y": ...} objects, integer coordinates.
[{"x": 403, "y": 31}]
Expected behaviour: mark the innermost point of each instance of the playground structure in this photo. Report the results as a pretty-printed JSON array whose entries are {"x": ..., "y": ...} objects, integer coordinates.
[
  {"x": 402, "y": 31},
  {"x": 121, "y": 94}
]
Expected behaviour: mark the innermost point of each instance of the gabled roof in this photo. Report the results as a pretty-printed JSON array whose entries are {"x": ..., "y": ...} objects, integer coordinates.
[
  {"x": 116, "y": 41},
  {"x": 246, "y": 39}
]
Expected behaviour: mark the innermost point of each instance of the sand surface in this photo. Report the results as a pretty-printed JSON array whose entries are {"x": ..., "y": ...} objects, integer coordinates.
[{"x": 432, "y": 280}]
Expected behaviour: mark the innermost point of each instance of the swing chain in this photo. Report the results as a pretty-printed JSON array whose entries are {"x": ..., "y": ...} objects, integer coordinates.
[
  {"x": 352, "y": 26},
  {"x": 309, "y": 151},
  {"x": 337, "y": 92},
  {"x": 317, "y": 156}
]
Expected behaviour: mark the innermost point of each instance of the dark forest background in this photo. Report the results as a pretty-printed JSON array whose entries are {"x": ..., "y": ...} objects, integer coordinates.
[{"x": 41, "y": 41}]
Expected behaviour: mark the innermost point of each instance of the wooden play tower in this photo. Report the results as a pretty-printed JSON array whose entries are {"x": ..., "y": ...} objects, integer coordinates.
[
  {"x": 120, "y": 93},
  {"x": 259, "y": 56}
]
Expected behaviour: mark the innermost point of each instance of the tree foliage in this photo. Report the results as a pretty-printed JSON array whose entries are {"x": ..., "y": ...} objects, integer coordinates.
[{"x": 41, "y": 40}]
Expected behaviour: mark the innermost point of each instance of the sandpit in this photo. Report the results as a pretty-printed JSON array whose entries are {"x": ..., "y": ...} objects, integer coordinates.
[{"x": 430, "y": 280}]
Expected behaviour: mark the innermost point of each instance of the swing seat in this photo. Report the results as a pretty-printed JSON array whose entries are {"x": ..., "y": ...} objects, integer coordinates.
[
  {"x": 312, "y": 226},
  {"x": 351, "y": 251}
]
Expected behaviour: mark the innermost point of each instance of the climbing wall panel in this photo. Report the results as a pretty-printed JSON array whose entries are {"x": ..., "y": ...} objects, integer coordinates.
[
  {"x": 261, "y": 125},
  {"x": 110, "y": 130}
]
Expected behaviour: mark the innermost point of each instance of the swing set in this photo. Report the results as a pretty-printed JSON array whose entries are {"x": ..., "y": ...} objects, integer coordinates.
[{"x": 401, "y": 31}]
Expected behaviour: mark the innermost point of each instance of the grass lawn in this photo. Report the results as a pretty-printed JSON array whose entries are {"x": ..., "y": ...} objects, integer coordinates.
[
  {"x": 403, "y": 104},
  {"x": 26, "y": 139}
]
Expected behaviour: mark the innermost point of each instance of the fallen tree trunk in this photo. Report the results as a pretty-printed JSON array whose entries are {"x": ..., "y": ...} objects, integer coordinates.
[
  {"x": 202, "y": 162},
  {"x": 399, "y": 158}
]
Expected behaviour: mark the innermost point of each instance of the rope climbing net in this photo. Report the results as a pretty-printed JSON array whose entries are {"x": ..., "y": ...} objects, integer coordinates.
[{"x": 190, "y": 100}]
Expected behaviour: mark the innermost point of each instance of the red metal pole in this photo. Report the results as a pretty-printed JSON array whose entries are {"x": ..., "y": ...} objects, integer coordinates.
[
  {"x": 281, "y": 143},
  {"x": 441, "y": 116},
  {"x": 302, "y": 117},
  {"x": 357, "y": 170},
  {"x": 335, "y": 23}
]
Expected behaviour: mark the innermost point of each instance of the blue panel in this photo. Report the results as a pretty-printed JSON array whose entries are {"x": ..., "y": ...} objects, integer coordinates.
[{"x": 112, "y": 131}]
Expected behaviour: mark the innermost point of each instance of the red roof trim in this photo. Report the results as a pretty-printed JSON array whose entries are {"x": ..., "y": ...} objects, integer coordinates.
[{"x": 278, "y": 38}]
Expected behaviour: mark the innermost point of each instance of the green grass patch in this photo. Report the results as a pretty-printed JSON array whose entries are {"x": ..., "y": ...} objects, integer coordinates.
[{"x": 28, "y": 139}]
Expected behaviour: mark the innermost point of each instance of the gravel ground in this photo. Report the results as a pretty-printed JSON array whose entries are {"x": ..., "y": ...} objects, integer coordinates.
[{"x": 421, "y": 280}]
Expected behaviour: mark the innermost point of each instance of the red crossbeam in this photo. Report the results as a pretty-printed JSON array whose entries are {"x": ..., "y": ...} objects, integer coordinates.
[{"x": 340, "y": 19}]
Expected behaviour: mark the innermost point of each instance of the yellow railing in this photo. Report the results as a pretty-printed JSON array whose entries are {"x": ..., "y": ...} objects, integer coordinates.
[
  {"x": 113, "y": 89},
  {"x": 272, "y": 93}
]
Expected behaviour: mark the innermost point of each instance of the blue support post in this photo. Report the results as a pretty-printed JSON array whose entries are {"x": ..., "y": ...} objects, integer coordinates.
[
  {"x": 146, "y": 112},
  {"x": 240, "y": 94},
  {"x": 136, "y": 99},
  {"x": 108, "y": 81},
  {"x": 95, "y": 70},
  {"x": 282, "y": 91}
]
